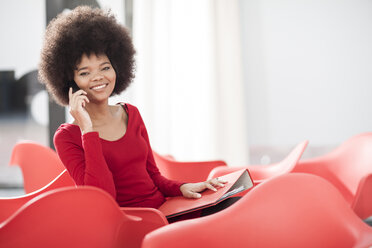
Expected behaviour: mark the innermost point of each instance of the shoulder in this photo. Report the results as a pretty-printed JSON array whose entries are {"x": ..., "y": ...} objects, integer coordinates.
[
  {"x": 67, "y": 131},
  {"x": 129, "y": 108}
]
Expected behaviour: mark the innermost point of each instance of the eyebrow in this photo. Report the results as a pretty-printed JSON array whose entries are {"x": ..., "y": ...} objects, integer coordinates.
[{"x": 86, "y": 67}]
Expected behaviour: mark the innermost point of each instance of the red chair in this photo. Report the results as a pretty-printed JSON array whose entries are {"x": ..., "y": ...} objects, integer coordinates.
[
  {"x": 71, "y": 217},
  {"x": 291, "y": 210},
  {"x": 263, "y": 172},
  {"x": 39, "y": 164},
  {"x": 10, "y": 205},
  {"x": 43, "y": 171},
  {"x": 185, "y": 171},
  {"x": 349, "y": 169}
]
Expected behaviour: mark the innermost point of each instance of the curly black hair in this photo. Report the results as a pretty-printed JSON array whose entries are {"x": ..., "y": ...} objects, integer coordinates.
[{"x": 84, "y": 30}]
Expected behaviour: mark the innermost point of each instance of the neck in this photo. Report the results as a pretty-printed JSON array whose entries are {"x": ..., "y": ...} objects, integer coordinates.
[{"x": 99, "y": 113}]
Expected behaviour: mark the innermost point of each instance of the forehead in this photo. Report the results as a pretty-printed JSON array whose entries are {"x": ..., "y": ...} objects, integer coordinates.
[{"x": 93, "y": 58}]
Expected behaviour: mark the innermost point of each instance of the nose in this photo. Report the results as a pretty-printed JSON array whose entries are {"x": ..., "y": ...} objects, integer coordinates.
[{"x": 97, "y": 76}]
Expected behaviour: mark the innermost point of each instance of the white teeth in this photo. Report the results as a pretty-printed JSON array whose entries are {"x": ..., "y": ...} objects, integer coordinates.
[{"x": 99, "y": 87}]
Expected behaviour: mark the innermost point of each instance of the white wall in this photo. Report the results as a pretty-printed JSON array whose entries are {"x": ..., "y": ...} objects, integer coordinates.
[
  {"x": 307, "y": 64},
  {"x": 22, "y": 25},
  {"x": 116, "y": 7},
  {"x": 308, "y": 69}
]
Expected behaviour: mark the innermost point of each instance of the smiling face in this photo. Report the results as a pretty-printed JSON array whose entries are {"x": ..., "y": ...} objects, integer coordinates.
[{"x": 96, "y": 76}]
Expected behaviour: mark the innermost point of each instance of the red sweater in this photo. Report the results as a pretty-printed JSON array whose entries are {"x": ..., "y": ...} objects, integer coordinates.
[{"x": 125, "y": 168}]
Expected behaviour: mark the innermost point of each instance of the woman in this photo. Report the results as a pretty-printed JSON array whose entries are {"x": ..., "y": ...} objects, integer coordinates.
[{"x": 87, "y": 57}]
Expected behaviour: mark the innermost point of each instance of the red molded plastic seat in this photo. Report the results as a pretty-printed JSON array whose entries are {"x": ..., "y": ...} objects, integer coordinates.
[
  {"x": 291, "y": 210},
  {"x": 39, "y": 164},
  {"x": 67, "y": 217},
  {"x": 151, "y": 218},
  {"x": 74, "y": 217},
  {"x": 263, "y": 172},
  {"x": 185, "y": 171},
  {"x": 349, "y": 169}
]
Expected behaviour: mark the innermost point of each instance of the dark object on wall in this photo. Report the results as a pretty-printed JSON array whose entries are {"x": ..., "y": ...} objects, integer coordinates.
[
  {"x": 16, "y": 95},
  {"x": 13, "y": 93},
  {"x": 6, "y": 84},
  {"x": 32, "y": 83},
  {"x": 29, "y": 85}
]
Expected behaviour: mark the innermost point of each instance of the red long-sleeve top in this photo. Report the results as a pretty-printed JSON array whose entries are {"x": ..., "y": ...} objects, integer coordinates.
[{"x": 125, "y": 167}]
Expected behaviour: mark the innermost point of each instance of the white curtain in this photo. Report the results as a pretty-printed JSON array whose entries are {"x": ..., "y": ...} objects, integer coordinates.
[{"x": 188, "y": 85}]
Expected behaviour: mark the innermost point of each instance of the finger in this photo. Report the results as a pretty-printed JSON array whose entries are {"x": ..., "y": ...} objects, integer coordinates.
[
  {"x": 221, "y": 183},
  {"x": 81, "y": 99},
  {"x": 70, "y": 93},
  {"x": 209, "y": 186},
  {"x": 86, "y": 99},
  {"x": 73, "y": 96},
  {"x": 77, "y": 102},
  {"x": 221, "y": 180},
  {"x": 216, "y": 183},
  {"x": 191, "y": 194},
  {"x": 84, "y": 102},
  {"x": 79, "y": 93},
  {"x": 194, "y": 195}
]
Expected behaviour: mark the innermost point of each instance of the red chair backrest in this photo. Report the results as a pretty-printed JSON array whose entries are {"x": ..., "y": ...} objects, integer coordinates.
[
  {"x": 263, "y": 172},
  {"x": 345, "y": 166},
  {"x": 185, "y": 171},
  {"x": 39, "y": 164},
  {"x": 67, "y": 217}
]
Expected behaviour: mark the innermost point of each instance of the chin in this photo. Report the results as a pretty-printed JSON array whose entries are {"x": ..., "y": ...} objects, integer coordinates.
[{"x": 98, "y": 99}]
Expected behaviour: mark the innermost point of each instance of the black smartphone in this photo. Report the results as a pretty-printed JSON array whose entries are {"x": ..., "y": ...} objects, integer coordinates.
[{"x": 74, "y": 86}]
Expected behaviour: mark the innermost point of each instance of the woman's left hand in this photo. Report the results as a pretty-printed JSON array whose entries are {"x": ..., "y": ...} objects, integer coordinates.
[{"x": 192, "y": 190}]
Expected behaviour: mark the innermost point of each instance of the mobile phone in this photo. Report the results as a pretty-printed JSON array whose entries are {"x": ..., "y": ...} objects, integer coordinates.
[{"x": 74, "y": 86}]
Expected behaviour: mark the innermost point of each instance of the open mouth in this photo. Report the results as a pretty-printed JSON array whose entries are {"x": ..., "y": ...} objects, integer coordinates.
[{"x": 99, "y": 87}]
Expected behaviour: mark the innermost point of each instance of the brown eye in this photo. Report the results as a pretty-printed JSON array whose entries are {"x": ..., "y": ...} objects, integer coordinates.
[{"x": 83, "y": 74}]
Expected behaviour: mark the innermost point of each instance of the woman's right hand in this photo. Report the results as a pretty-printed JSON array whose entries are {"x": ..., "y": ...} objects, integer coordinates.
[{"x": 77, "y": 103}]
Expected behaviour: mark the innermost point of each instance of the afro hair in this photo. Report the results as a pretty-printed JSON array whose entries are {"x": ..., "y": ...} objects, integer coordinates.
[{"x": 84, "y": 30}]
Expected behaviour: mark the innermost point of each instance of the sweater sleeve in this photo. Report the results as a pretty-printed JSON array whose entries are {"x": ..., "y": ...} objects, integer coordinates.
[
  {"x": 86, "y": 164},
  {"x": 166, "y": 186}
]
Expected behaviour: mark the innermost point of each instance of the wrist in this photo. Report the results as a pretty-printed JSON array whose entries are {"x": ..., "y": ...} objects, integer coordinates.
[{"x": 182, "y": 187}]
